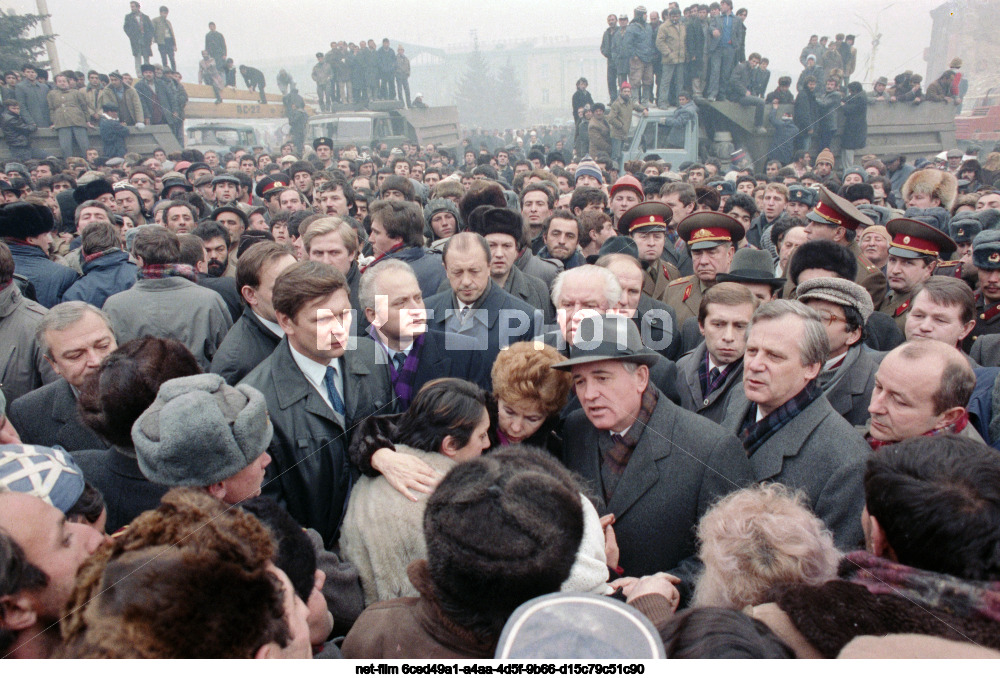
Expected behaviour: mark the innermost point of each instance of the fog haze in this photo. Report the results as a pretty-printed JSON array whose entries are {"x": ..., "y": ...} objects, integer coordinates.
[{"x": 296, "y": 29}]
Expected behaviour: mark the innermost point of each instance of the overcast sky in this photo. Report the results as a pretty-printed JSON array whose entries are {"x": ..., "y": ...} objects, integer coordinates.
[{"x": 297, "y": 28}]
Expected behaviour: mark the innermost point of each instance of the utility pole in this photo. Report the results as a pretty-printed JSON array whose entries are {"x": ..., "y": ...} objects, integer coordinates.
[{"x": 50, "y": 44}]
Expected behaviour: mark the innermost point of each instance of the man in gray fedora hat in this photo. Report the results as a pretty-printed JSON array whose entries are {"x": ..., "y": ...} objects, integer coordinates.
[{"x": 655, "y": 467}]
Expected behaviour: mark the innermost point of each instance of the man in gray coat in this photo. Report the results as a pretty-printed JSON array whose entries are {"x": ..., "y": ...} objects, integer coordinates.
[
  {"x": 712, "y": 372},
  {"x": 23, "y": 367},
  {"x": 654, "y": 466},
  {"x": 33, "y": 95},
  {"x": 848, "y": 376},
  {"x": 166, "y": 302},
  {"x": 788, "y": 429}
]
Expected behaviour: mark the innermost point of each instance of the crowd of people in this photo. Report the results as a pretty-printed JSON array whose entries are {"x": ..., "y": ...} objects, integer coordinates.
[{"x": 386, "y": 403}]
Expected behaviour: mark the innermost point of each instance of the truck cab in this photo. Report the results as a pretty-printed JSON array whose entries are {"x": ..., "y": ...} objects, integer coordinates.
[
  {"x": 220, "y": 137},
  {"x": 648, "y": 135}
]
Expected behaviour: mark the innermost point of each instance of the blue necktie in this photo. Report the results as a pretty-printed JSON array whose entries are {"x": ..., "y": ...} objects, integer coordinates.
[
  {"x": 331, "y": 389},
  {"x": 398, "y": 360}
]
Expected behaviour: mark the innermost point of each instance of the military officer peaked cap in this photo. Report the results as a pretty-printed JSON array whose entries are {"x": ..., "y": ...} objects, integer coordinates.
[
  {"x": 646, "y": 217},
  {"x": 704, "y": 230},
  {"x": 912, "y": 239},
  {"x": 273, "y": 182},
  {"x": 834, "y": 211}
]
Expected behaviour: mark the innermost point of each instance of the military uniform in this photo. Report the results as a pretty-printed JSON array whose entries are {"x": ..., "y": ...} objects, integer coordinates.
[
  {"x": 656, "y": 277},
  {"x": 987, "y": 318},
  {"x": 649, "y": 217},
  {"x": 700, "y": 230},
  {"x": 870, "y": 276},
  {"x": 912, "y": 239}
]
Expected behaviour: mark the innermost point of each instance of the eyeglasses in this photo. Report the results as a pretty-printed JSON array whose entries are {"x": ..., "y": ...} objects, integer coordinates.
[{"x": 829, "y": 318}]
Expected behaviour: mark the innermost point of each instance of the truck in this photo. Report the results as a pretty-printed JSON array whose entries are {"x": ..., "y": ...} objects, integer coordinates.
[
  {"x": 221, "y": 137},
  {"x": 981, "y": 127},
  {"x": 723, "y": 127},
  {"x": 394, "y": 126}
]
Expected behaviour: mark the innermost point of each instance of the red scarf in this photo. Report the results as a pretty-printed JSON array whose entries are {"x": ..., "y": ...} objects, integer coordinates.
[{"x": 956, "y": 428}]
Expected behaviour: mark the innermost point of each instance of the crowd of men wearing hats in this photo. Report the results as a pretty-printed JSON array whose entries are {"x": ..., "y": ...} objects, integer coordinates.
[{"x": 708, "y": 411}]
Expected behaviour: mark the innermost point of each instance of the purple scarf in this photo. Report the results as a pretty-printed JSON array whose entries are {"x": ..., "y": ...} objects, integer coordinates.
[{"x": 402, "y": 379}]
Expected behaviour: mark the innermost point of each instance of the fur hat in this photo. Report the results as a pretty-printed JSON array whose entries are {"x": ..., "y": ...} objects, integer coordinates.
[
  {"x": 986, "y": 250},
  {"x": 300, "y": 166},
  {"x": 502, "y": 529},
  {"x": 825, "y": 255},
  {"x": 485, "y": 220},
  {"x": 933, "y": 182},
  {"x": 200, "y": 430},
  {"x": 22, "y": 220},
  {"x": 92, "y": 190},
  {"x": 935, "y": 217}
]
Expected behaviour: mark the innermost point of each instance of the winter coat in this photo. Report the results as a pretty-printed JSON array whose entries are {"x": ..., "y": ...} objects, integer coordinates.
[
  {"x": 580, "y": 99},
  {"x": 127, "y": 101},
  {"x": 383, "y": 531},
  {"x": 215, "y": 45},
  {"x": 619, "y": 117},
  {"x": 51, "y": 280},
  {"x": 310, "y": 473},
  {"x": 34, "y": 102},
  {"x": 162, "y": 93},
  {"x": 937, "y": 90},
  {"x": 671, "y": 41},
  {"x": 599, "y": 137},
  {"x": 16, "y": 130},
  {"x": 829, "y": 60},
  {"x": 800, "y": 456},
  {"x": 386, "y": 60},
  {"x": 678, "y": 122},
  {"x": 103, "y": 277},
  {"x": 826, "y": 108},
  {"x": 816, "y": 72},
  {"x": 740, "y": 82},
  {"x": 140, "y": 33},
  {"x": 322, "y": 72},
  {"x": 639, "y": 42},
  {"x": 581, "y": 141},
  {"x": 783, "y": 97},
  {"x": 618, "y": 55},
  {"x": 253, "y": 77},
  {"x": 783, "y": 141},
  {"x": 806, "y": 109},
  {"x": 49, "y": 416},
  {"x": 759, "y": 78},
  {"x": 855, "y": 134},
  {"x": 23, "y": 367},
  {"x": 68, "y": 108},
  {"x": 113, "y": 133},
  {"x": 161, "y": 27},
  {"x": 175, "y": 308},
  {"x": 247, "y": 344},
  {"x": 402, "y": 66}
]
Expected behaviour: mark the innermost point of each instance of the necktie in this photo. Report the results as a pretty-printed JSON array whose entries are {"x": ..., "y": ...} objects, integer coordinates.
[
  {"x": 398, "y": 359},
  {"x": 331, "y": 389},
  {"x": 713, "y": 374},
  {"x": 463, "y": 315}
]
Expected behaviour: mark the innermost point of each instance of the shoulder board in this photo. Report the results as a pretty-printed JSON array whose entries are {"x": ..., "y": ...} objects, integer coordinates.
[
  {"x": 680, "y": 281},
  {"x": 990, "y": 313}
]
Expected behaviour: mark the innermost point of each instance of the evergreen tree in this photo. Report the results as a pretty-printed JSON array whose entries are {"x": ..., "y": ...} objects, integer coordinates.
[
  {"x": 16, "y": 48},
  {"x": 510, "y": 105},
  {"x": 477, "y": 93}
]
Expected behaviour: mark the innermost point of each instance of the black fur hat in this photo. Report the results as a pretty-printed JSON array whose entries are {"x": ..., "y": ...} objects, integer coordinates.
[
  {"x": 487, "y": 219},
  {"x": 500, "y": 530},
  {"x": 823, "y": 254},
  {"x": 92, "y": 190},
  {"x": 23, "y": 220}
]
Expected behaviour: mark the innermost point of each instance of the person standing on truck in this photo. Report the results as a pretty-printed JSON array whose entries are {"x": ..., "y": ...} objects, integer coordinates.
[
  {"x": 402, "y": 76},
  {"x": 386, "y": 61},
  {"x": 139, "y": 30},
  {"x": 620, "y": 120},
  {"x": 640, "y": 48},
  {"x": 322, "y": 73},
  {"x": 254, "y": 79},
  {"x": 123, "y": 97},
  {"x": 671, "y": 40},
  {"x": 215, "y": 44},
  {"x": 826, "y": 108},
  {"x": 156, "y": 97},
  {"x": 606, "y": 53},
  {"x": 163, "y": 33},
  {"x": 581, "y": 98}
]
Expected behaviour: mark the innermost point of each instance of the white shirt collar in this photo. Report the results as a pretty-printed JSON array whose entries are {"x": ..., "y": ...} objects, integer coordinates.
[
  {"x": 315, "y": 374},
  {"x": 273, "y": 326}
]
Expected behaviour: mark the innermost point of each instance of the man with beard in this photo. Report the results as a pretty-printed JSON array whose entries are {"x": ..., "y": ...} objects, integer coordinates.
[{"x": 217, "y": 244}]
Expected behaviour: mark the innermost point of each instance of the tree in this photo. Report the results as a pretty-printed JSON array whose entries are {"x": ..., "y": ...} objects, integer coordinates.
[
  {"x": 477, "y": 92},
  {"x": 510, "y": 107},
  {"x": 16, "y": 48}
]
